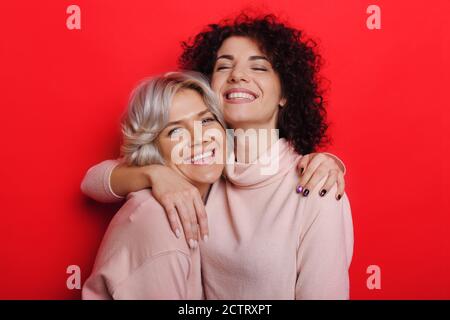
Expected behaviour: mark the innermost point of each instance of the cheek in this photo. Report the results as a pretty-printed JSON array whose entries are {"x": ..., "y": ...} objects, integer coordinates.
[
  {"x": 271, "y": 87},
  {"x": 165, "y": 149},
  {"x": 219, "y": 136},
  {"x": 216, "y": 82}
]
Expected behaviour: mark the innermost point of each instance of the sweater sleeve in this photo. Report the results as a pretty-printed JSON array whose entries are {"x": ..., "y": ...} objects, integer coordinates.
[
  {"x": 163, "y": 277},
  {"x": 96, "y": 183},
  {"x": 325, "y": 249},
  {"x": 140, "y": 258}
]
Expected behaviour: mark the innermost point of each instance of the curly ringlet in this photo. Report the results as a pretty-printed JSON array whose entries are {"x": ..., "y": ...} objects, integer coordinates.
[{"x": 148, "y": 113}]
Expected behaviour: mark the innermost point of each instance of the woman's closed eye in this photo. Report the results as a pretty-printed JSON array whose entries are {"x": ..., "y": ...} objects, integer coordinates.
[
  {"x": 223, "y": 68},
  {"x": 253, "y": 68},
  {"x": 259, "y": 68}
]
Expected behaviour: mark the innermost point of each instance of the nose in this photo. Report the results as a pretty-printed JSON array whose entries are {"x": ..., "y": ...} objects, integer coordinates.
[
  {"x": 198, "y": 138},
  {"x": 237, "y": 75}
]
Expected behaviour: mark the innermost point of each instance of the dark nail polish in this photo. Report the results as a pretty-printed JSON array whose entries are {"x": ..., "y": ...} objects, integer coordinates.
[
  {"x": 322, "y": 193},
  {"x": 339, "y": 197},
  {"x": 299, "y": 189},
  {"x": 306, "y": 192}
]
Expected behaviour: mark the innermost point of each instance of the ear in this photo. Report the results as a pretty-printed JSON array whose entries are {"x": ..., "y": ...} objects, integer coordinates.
[{"x": 283, "y": 102}]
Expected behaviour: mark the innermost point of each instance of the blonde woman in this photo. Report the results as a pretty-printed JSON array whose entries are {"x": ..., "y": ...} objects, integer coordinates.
[{"x": 139, "y": 257}]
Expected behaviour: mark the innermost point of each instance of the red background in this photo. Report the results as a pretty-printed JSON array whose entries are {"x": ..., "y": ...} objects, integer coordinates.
[{"x": 62, "y": 92}]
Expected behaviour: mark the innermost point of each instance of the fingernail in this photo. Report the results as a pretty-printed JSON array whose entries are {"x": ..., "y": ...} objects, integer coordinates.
[
  {"x": 205, "y": 238},
  {"x": 339, "y": 197},
  {"x": 322, "y": 193},
  {"x": 306, "y": 192},
  {"x": 195, "y": 244},
  {"x": 299, "y": 189},
  {"x": 177, "y": 233},
  {"x": 192, "y": 243}
]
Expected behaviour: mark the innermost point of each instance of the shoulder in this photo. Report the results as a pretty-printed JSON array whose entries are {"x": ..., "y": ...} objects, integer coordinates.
[
  {"x": 314, "y": 199},
  {"x": 139, "y": 232},
  {"x": 135, "y": 205},
  {"x": 142, "y": 216},
  {"x": 328, "y": 220},
  {"x": 142, "y": 227},
  {"x": 327, "y": 209},
  {"x": 143, "y": 198}
]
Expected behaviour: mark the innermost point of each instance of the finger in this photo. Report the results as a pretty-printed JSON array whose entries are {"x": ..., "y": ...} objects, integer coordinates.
[
  {"x": 195, "y": 230},
  {"x": 186, "y": 222},
  {"x": 311, "y": 168},
  {"x": 331, "y": 180},
  {"x": 193, "y": 218},
  {"x": 171, "y": 212},
  {"x": 201, "y": 217},
  {"x": 303, "y": 163},
  {"x": 340, "y": 185},
  {"x": 320, "y": 173}
]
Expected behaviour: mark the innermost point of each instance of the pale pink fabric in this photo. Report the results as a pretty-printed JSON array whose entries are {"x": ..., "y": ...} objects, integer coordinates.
[
  {"x": 266, "y": 241},
  {"x": 96, "y": 183},
  {"x": 140, "y": 257}
]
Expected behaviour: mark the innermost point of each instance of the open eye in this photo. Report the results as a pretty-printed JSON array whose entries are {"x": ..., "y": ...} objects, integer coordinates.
[
  {"x": 207, "y": 120},
  {"x": 174, "y": 131}
]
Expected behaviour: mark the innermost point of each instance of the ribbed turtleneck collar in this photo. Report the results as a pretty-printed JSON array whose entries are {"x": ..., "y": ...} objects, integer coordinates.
[{"x": 269, "y": 167}]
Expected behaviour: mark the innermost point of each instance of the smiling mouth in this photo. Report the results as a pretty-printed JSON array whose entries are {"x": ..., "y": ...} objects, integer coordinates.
[
  {"x": 206, "y": 157},
  {"x": 239, "y": 96}
]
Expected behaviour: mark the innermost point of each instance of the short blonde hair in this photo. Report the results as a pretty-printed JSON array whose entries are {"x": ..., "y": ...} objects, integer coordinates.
[{"x": 148, "y": 113}]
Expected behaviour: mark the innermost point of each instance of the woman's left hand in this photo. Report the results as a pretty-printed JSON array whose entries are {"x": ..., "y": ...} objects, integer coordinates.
[{"x": 314, "y": 167}]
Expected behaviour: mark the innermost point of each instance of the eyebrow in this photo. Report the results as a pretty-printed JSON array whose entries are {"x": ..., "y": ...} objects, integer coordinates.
[
  {"x": 251, "y": 58},
  {"x": 179, "y": 121}
]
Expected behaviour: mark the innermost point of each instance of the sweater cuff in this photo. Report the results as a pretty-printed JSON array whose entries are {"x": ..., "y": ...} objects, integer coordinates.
[{"x": 107, "y": 180}]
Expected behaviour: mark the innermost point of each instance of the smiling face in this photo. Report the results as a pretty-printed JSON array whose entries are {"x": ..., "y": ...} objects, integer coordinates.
[
  {"x": 248, "y": 86},
  {"x": 192, "y": 143}
]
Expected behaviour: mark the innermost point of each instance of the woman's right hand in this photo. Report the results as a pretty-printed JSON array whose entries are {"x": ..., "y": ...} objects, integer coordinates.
[{"x": 179, "y": 197}]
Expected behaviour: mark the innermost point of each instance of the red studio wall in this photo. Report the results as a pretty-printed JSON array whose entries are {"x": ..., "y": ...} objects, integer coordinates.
[{"x": 63, "y": 91}]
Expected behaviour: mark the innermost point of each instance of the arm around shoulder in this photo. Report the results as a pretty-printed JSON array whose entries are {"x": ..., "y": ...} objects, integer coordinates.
[{"x": 113, "y": 180}]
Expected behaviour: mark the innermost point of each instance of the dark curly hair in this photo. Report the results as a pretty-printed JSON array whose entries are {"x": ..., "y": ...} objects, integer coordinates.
[{"x": 302, "y": 121}]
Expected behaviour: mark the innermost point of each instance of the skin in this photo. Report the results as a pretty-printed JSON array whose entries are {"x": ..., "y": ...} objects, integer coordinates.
[
  {"x": 239, "y": 64},
  {"x": 187, "y": 109}
]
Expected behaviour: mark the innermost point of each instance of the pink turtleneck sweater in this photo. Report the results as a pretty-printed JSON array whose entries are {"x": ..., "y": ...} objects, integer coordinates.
[{"x": 266, "y": 241}]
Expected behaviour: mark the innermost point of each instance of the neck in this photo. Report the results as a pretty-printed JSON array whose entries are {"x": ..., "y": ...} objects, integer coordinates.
[
  {"x": 251, "y": 142},
  {"x": 204, "y": 190}
]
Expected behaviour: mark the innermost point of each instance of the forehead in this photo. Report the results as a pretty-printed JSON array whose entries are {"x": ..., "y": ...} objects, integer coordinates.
[
  {"x": 186, "y": 102},
  {"x": 239, "y": 45}
]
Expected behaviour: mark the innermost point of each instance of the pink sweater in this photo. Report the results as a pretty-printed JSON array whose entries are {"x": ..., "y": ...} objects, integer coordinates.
[
  {"x": 140, "y": 257},
  {"x": 266, "y": 241}
]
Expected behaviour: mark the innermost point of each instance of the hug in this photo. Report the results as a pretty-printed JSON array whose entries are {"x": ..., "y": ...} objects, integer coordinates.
[{"x": 213, "y": 223}]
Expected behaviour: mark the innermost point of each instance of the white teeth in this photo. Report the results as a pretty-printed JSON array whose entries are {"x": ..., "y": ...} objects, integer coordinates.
[
  {"x": 202, "y": 156},
  {"x": 240, "y": 95}
]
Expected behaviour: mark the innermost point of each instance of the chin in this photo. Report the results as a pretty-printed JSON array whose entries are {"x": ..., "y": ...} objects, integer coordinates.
[
  {"x": 205, "y": 174},
  {"x": 236, "y": 117}
]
